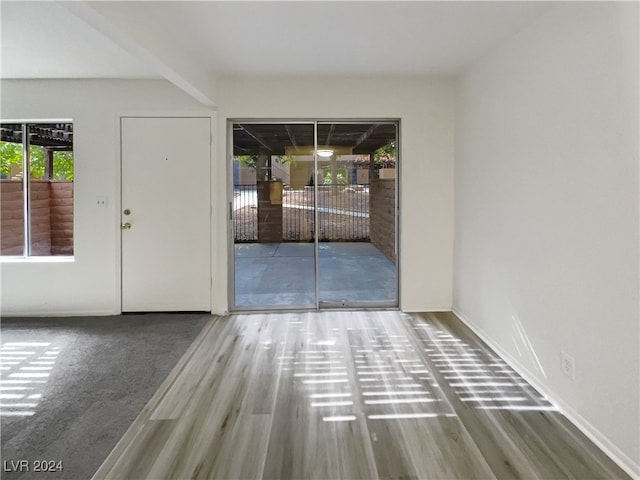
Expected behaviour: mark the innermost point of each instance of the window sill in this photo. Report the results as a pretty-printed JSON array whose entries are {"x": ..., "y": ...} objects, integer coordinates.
[{"x": 57, "y": 259}]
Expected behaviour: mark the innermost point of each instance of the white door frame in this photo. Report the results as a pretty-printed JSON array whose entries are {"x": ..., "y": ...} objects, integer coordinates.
[
  {"x": 229, "y": 207},
  {"x": 117, "y": 201}
]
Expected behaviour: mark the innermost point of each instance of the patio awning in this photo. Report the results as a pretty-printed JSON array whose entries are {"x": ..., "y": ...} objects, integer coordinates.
[
  {"x": 56, "y": 136},
  {"x": 279, "y": 138}
]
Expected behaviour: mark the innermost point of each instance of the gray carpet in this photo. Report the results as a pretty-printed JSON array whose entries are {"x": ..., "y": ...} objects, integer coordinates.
[{"x": 101, "y": 373}]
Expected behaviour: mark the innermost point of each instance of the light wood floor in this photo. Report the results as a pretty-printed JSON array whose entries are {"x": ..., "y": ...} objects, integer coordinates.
[{"x": 331, "y": 395}]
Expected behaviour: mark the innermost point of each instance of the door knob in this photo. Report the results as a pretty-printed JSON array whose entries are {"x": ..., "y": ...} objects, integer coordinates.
[{"x": 126, "y": 226}]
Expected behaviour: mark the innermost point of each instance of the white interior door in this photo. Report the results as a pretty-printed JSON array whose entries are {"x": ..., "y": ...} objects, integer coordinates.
[{"x": 166, "y": 214}]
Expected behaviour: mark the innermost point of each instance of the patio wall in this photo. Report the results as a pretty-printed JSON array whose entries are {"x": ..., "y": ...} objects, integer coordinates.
[
  {"x": 11, "y": 217},
  {"x": 51, "y": 217},
  {"x": 382, "y": 219},
  {"x": 61, "y": 218}
]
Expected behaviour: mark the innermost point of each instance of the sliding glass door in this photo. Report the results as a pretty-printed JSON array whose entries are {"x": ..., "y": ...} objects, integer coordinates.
[
  {"x": 356, "y": 214},
  {"x": 313, "y": 214},
  {"x": 273, "y": 215}
]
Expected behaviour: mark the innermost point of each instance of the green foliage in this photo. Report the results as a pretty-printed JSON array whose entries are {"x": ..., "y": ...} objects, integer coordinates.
[
  {"x": 63, "y": 165},
  {"x": 385, "y": 154},
  {"x": 251, "y": 161},
  {"x": 340, "y": 178},
  {"x": 11, "y": 156},
  {"x": 286, "y": 159},
  {"x": 36, "y": 159}
]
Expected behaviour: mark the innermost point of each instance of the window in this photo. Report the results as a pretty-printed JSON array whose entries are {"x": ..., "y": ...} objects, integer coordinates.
[{"x": 36, "y": 189}]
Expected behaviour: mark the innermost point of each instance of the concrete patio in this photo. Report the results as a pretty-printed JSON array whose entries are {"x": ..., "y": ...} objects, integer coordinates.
[{"x": 282, "y": 274}]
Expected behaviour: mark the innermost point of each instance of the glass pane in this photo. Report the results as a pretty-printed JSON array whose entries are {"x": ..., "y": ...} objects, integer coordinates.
[
  {"x": 357, "y": 214},
  {"x": 273, "y": 215},
  {"x": 11, "y": 191},
  {"x": 51, "y": 188}
]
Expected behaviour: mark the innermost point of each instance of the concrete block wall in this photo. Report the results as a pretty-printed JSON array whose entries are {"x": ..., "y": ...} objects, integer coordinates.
[
  {"x": 61, "y": 218},
  {"x": 382, "y": 217},
  {"x": 51, "y": 217},
  {"x": 40, "y": 218},
  {"x": 11, "y": 217}
]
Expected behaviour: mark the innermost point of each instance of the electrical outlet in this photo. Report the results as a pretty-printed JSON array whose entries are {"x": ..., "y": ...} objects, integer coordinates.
[{"x": 568, "y": 365}]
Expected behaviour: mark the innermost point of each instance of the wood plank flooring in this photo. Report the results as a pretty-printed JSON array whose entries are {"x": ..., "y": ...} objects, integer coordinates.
[{"x": 358, "y": 395}]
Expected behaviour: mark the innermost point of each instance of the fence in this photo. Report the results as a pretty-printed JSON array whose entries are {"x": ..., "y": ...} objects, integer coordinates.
[
  {"x": 51, "y": 217},
  {"x": 343, "y": 213}
]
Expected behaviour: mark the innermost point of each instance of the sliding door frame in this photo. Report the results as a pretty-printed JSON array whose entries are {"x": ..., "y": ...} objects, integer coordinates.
[
  {"x": 231, "y": 254},
  {"x": 230, "y": 227}
]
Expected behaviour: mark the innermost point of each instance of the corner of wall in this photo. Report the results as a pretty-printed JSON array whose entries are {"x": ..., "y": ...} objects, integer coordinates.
[{"x": 595, "y": 435}]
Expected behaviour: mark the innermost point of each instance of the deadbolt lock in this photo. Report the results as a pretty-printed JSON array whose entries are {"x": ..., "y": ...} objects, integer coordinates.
[{"x": 127, "y": 211}]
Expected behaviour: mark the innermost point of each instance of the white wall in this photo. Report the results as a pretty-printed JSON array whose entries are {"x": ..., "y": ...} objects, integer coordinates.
[
  {"x": 89, "y": 284},
  {"x": 426, "y": 164},
  {"x": 546, "y": 211}
]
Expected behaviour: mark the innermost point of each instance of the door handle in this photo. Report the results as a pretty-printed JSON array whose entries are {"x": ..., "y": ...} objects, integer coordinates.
[{"x": 125, "y": 226}]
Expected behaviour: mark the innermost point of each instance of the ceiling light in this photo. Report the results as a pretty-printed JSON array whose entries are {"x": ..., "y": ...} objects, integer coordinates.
[{"x": 325, "y": 153}]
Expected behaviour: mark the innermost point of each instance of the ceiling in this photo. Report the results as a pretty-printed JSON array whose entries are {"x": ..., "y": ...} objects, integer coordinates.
[
  {"x": 196, "y": 42},
  {"x": 333, "y": 38},
  {"x": 44, "y": 40}
]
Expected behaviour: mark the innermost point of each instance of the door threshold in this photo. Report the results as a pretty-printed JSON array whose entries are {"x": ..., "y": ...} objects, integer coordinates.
[{"x": 264, "y": 310}]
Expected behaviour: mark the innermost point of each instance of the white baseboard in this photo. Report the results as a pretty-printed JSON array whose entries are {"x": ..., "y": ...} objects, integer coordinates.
[
  {"x": 65, "y": 313},
  {"x": 429, "y": 309},
  {"x": 608, "y": 447}
]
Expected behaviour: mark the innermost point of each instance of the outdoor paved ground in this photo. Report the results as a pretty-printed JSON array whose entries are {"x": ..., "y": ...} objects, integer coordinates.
[{"x": 272, "y": 274}]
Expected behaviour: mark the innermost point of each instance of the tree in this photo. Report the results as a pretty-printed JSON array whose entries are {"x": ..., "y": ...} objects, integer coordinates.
[
  {"x": 386, "y": 154},
  {"x": 251, "y": 161},
  {"x": 340, "y": 178},
  {"x": 11, "y": 156},
  {"x": 63, "y": 165}
]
